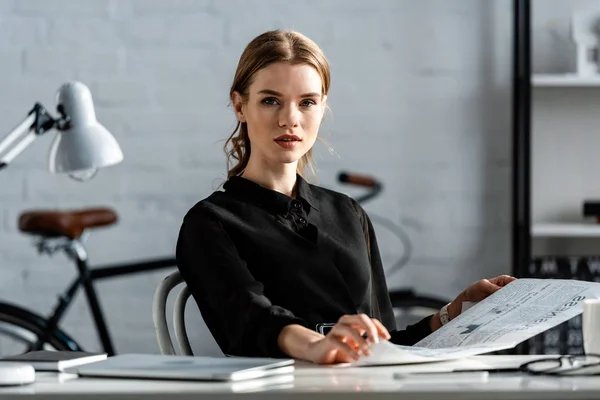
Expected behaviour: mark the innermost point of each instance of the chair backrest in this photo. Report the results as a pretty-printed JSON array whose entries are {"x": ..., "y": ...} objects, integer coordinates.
[{"x": 159, "y": 316}]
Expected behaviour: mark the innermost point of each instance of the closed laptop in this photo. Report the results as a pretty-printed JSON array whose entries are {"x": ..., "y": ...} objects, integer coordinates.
[{"x": 154, "y": 366}]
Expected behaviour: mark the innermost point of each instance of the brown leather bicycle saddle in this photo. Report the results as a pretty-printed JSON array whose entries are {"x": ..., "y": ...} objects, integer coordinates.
[{"x": 65, "y": 223}]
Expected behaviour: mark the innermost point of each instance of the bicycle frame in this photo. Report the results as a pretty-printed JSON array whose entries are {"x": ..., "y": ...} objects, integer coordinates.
[
  {"x": 374, "y": 189},
  {"x": 86, "y": 277}
]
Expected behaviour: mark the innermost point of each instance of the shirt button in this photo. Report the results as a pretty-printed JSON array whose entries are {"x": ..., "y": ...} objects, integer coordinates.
[
  {"x": 296, "y": 205},
  {"x": 302, "y": 220}
]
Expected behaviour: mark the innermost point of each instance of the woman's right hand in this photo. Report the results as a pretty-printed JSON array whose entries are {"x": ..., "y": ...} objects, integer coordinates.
[{"x": 350, "y": 336}]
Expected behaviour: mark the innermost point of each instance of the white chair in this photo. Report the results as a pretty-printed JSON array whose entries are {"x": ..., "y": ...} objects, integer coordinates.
[{"x": 159, "y": 316}]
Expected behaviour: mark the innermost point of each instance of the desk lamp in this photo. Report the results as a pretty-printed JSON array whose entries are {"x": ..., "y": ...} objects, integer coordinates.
[
  {"x": 80, "y": 148},
  {"x": 82, "y": 144}
]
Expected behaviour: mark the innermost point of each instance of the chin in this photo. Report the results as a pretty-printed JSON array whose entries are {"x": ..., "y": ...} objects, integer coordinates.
[
  {"x": 290, "y": 157},
  {"x": 288, "y": 160}
]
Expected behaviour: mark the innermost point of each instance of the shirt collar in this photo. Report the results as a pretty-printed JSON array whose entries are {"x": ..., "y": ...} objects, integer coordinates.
[
  {"x": 278, "y": 202},
  {"x": 304, "y": 193}
]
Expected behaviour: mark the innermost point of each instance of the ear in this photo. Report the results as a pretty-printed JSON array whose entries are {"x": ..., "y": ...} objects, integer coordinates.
[
  {"x": 238, "y": 106},
  {"x": 324, "y": 105}
]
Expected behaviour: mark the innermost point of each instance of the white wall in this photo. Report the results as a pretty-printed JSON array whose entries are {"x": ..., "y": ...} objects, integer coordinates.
[{"x": 420, "y": 98}]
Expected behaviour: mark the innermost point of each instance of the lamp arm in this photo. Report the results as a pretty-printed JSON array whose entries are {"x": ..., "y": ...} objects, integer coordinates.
[{"x": 37, "y": 122}]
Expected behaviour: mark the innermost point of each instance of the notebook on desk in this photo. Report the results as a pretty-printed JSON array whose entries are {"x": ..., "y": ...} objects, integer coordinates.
[
  {"x": 154, "y": 366},
  {"x": 44, "y": 360}
]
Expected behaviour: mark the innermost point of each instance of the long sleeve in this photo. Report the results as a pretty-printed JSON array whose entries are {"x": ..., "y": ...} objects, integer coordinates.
[
  {"x": 241, "y": 318},
  {"x": 382, "y": 305}
]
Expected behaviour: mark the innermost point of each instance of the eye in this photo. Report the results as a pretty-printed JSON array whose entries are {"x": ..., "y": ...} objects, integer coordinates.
[
  {"x": 308, "y": 103},
  {"x": 270, "y": 101}
]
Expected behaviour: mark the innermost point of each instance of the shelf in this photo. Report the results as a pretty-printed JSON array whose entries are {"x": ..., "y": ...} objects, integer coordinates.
[
  {"x": 565, "y": 80},
  {"x": 566, "y": 230}
]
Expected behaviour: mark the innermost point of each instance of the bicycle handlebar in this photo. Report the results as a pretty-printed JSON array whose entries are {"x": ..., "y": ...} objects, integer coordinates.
[
  {"x": 369, "y": 182},
  {"x": 358, "y": 180}
]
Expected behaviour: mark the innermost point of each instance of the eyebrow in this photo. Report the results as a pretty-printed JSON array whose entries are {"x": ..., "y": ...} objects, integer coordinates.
[{"x": 275, "y": 93}]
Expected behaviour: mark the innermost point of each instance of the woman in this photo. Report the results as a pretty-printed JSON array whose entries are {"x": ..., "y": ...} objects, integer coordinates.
[{"x": 279, "y": 267}]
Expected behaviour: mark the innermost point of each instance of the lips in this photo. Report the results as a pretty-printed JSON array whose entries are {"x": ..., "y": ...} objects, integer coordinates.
[{"x": 288, "y": 138}]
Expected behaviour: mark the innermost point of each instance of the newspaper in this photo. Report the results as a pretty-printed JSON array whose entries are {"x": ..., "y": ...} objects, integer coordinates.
[{"x": 517, "y": 312}]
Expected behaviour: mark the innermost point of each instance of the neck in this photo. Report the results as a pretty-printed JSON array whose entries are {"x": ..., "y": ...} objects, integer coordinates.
[{"x": 281, "y": 178}]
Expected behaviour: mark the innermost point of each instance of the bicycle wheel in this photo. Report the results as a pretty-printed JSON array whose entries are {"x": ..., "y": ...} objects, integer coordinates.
[
  {"x": 410, "y": 308},
  {"x": 20, "y": 330}
]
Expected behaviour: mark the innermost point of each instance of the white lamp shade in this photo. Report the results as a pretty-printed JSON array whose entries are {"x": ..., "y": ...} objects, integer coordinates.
[
  {"x": 85, "y": 144},
  {"x": 84, "y": 148}
]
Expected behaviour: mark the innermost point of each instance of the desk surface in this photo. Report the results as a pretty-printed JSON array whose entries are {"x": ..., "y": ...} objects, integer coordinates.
[{"x": 314, "y": 383}]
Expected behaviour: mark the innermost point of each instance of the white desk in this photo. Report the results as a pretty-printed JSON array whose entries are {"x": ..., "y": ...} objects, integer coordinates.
[{"x": 315, "y": 383}]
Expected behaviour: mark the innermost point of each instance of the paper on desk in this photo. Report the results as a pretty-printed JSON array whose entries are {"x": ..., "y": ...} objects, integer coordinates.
[
  {"x": 386, "y": 353},
  {"x": 515, "y": 313}
]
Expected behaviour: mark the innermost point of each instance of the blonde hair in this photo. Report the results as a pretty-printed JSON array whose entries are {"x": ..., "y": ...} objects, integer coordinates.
[{"x": 268, "y": 48}]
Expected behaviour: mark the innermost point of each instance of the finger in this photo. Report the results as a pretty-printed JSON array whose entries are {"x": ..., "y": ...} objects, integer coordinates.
[
  {"x": 482, "y": 289},
  {"x": 328, "y": 358},
  {"x": 383, "y": 332},
  {"x": 350, "y": 336},
  {"x": 337, "y": 352},
  {"x": 372, "y": 330},
  {"x": 488, "y": 287},
  {"x": 504, "y": 280},
  {"x": 498, "y": 280},
  {"x": 365, "y": 322},
  {"x": 345, "y": 353}
]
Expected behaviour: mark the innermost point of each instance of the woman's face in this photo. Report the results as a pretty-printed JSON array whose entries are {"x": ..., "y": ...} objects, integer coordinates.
[{"x": 283, "y": 112}]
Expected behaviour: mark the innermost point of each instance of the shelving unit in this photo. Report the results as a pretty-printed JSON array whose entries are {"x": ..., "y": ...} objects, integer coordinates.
[
  {"x": 564, "y": 80},
  {"x": 521, "y": 138},
  {"x": 523, "y": 231},
  {"x": 565, "y": 230},
  {"x": 557, "y": 229},
  {"x": 558, "y": 236}
]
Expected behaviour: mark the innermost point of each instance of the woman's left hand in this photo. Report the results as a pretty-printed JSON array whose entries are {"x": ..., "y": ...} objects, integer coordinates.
[
  {"x": 475, "y": 292},
  {"x": 481, "y": 289}
]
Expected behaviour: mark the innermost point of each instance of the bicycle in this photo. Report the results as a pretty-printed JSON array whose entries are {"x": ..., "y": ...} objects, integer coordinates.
[
  {"x": 409, "y": 307},
  {"x": 67, "y": 231}
]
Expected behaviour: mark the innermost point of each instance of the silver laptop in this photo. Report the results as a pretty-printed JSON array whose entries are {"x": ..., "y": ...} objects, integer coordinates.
[{"x": 154, "y": 366}]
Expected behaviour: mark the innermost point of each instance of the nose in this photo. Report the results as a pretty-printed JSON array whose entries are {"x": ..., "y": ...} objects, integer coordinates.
[{"x": 289, "y": 116}]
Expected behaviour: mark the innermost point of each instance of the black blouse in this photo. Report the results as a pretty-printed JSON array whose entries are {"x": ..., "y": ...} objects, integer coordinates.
[{"x": 256, "y": 260}]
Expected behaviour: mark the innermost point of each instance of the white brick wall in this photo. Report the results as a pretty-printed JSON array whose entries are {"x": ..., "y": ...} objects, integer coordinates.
[{"x": 420, "y": 99}]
